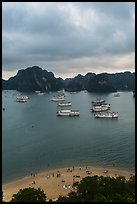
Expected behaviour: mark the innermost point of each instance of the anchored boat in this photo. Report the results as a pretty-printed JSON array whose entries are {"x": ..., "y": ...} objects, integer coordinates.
[
  {"x": 117, "y": 95},
  {"x": 68, "y": 113},
  {"x": 22, "y": 98},
  {"x": 100, "y": 108},
  {"x": 65, "y": 103},
  {"x": 58, "y": 98},
  {"x": 98, "y": 102},
  {"x": 107, "y": 115}
]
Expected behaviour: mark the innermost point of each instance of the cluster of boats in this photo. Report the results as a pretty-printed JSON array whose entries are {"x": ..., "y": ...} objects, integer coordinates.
[
  {"x": 60, "y": 98},
  {"x": 101, "y": 107},
  {"x": 21, "y": 98}
]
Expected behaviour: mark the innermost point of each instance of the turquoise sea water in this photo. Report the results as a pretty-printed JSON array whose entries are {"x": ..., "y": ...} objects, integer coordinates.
[{"x": 56, "y": 142}]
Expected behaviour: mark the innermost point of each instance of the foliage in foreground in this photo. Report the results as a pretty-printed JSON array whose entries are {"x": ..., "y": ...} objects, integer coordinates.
[
  {"x": 89, "y": 189},
  {"x": 102, "y": 189},
  {"x": 29, "y": 195}
]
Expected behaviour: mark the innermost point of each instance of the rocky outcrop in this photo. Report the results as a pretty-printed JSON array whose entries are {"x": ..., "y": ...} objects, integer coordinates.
[
  {"x": 100, "y": 83},
  {"x": 35, "y": 78},
  {"x": 32, "y": 79}
]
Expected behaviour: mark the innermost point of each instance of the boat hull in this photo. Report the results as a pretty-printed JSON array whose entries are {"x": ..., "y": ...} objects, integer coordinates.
[
  {"x": 68, "y": 113},
  {"x": 64, "y": 104},
  {"x": 106, "y": 115}
]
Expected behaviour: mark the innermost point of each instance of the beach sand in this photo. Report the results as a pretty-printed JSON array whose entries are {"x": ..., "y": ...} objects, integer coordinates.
[{"x": 58, "y": 181}]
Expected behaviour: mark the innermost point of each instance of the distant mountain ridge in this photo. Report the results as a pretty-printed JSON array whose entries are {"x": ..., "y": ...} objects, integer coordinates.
[
  {"x": 32, "y": 79},
  {"x": 103, "y": 82},
  {"x": 35, "y": 78}
]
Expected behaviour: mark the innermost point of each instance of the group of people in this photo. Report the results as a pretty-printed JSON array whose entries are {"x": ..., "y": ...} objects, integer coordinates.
[
  {"x": 58, "y": 174},
  {"x": 33, "y": 175}
]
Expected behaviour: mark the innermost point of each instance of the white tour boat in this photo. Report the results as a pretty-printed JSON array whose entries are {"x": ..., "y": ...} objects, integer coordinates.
[
  {"x": 37, "y": 92},
  {"x": 106, "y": 105},
  {"x": 22, "y": 98},
  {"x": 98, "y": 102},
  {"x": 107, "y": 115},
  {"x": 100, "y": 108},
  {"x": 60, "y": 93},
  {"x": 65, "y": 103},
  {"x": 68, "y": 113},
  {"x": 117, "y": 95},
  {"x": 58, "y": 98},
  {"x": 40, "y": 93}
]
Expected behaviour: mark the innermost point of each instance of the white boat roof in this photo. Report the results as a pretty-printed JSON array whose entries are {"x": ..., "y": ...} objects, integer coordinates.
[{"x": 65, "y": 111}]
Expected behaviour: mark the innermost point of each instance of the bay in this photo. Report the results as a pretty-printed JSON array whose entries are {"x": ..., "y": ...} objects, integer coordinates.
[{"x": 35, "y": 139}]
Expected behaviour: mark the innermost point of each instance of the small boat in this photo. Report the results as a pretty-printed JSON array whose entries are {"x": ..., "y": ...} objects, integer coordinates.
[
  {"x": 60, "y": 93},
  {"x": 98, "y": 102},
  {"x": 22, "y": 98},
  {"x": 37, "y": 91},
  {"x": 68, "y": 113},
  {"x": 102, "y": 105},
  {"x": 65, "y": 103},
  {"x": 73, "y": 92},
  {"x": 58, "y": 98},
  {"x": 107, "y": 115},
  {"x": 100, "y": 108},
  {"x": 106, "y": 105},
  {"x": 40, "y": 94},
  {"x": 117, "y": 95}
]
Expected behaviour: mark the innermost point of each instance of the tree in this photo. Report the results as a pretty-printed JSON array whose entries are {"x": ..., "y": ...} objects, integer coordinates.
[
  {"x": 102, "y": 189},
  {"x": 29, "y": 195}
]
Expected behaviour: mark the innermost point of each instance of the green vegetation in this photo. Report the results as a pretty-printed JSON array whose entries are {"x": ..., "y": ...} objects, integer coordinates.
[
  {"x": 29, "y": 195},
  {"x": 89, "y": 189},
  {"x": 102, "y": 189}
]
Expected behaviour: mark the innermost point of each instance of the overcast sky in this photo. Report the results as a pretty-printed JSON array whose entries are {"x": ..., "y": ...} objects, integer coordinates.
[{"x": 68, "y": 38}]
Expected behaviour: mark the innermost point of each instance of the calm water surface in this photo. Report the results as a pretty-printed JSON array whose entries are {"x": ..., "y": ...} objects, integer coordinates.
[{"x": 56, "y": 142}]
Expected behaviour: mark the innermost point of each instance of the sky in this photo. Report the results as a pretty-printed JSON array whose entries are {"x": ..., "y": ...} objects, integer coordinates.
[{"x": 68, "y": 38}]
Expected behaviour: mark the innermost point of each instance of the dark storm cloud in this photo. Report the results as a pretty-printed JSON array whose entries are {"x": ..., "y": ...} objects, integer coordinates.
[{"x": 57, "y": 33}]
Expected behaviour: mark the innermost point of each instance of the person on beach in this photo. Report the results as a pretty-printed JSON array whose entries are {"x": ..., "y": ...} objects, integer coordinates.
[{"x": 68, "y": 169}]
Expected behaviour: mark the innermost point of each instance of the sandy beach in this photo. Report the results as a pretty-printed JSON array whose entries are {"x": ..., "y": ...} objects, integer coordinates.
[{"x": 58, "y": 181}]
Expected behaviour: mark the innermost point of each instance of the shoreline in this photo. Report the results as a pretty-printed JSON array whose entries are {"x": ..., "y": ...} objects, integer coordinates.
[
  {"x": 65, "y": 166},
  {"x": 59, "y": 181}
]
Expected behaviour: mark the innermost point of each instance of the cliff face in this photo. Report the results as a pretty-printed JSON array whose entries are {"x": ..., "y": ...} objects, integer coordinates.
[
  {"x": 34, "y": 78},
  {"x": 100, "y": 83},
  {"x": 123, "y": 81},
  {"x": 78, "y": 83}
]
